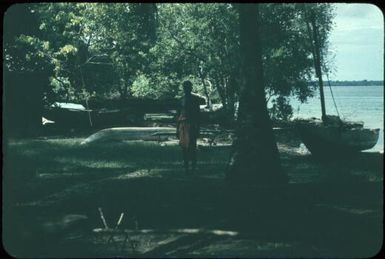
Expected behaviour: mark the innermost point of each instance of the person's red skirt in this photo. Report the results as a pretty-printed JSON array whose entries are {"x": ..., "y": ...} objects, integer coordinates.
[{"x": 187, "y": 135}]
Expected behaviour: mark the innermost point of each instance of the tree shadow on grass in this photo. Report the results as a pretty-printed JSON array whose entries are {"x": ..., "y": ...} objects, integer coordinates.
[{"x": 145, "y": 181}]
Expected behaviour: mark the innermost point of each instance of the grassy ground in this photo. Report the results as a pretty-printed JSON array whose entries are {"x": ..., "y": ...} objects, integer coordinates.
[{"x": 52, "y": 189}]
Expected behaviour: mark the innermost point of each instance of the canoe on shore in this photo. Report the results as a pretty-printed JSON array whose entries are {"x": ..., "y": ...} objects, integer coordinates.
[
  {"x": 129, "y": 133},
  {"x": 145, "y": 133},
  {"x": 325, "y": 140}
]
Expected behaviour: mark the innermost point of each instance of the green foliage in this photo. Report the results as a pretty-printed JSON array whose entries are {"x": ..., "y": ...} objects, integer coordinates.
[
  {"x": 23, "y": 49},
  {"x": 281, "y": 109},
  {"x": 97, "y": 48},
  {"x": 287, "y": 53},
  {"x": 203, "y": 40},
  {"x": 147, "y": 50},
  {"x": 190, "y": 45}
]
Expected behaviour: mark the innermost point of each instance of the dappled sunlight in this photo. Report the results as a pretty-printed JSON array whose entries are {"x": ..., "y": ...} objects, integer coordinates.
[
  {"x": 347, "y": 209},
  {"x": 217, "y": 232},
  {"x": 138, "y": 174},
  {"x": 224, "y": 233},
  {"x": 51, "y": 142},
  {"x": 194, "y": 241},
  {"x": 64, "y": 222},
  {"x": 354, "y": 211},
  {"x": 272, "y": 245},
  {"x": 151, "y": 130},
  {"x": 188, "y": 231},
  {"x": 179, "y": 213},
  {"x": 376, "y": 179},
  {"x": 57, "y": 175},
  {"x": 69, "y": 142},
  {"x": 369, "y": 175},
  {"x": 29, "y": 152},
  {"x": 244, "y": 248},
  {"x": 92, "y": 163},
  {"x": 54, "y": 198}
]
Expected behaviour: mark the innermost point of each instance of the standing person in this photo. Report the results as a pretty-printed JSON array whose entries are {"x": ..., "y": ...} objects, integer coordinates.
[{"x": 188, "y": 124}]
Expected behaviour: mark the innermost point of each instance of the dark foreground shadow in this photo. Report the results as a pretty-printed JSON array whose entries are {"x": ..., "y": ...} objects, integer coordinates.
[{"x": 168, "y": 213}]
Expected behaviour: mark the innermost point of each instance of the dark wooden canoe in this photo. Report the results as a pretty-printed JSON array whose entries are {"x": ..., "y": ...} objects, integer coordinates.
[{"x": 332, "y": 140}]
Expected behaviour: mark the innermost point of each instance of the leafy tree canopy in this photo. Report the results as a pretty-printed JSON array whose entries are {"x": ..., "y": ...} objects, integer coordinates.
[{"x": 146, "y": 50}]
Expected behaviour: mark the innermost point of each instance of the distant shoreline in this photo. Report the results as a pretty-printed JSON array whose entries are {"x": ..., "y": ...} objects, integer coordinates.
[{"x": 352, "y": 83}]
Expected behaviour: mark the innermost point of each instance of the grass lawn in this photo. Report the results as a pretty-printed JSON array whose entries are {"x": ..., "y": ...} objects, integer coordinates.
[{"x": 52, "y": 189}]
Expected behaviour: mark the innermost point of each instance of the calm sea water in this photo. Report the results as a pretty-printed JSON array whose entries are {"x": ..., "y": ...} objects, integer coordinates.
[{"x": 355, "y": 103}]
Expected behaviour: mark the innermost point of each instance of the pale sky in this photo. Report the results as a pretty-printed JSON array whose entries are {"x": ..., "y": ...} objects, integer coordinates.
[{"x": 357, "y": 42}]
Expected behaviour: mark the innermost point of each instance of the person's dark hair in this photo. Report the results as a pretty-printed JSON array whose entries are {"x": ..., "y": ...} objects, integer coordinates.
[{"x": 187, "y": 86}]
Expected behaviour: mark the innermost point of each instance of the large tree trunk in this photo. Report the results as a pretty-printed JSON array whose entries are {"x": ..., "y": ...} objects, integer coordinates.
[{"x": 255, "y": 159}]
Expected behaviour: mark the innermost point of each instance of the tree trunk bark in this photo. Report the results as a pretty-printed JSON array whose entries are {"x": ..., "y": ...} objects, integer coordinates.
[
  {"x": 206, "y": 92},
  {"x": 231, "y": 97},
  {"x": 255, "y": 159},
  {"x": 229, "y": 107},
  {"x": 84, "y": 87},
  {"x": 317, "y": 57},
  {"x": 312, "y": 31},
  {"x": 123, "y": 91},
  {"x": 218, "y": 85}
]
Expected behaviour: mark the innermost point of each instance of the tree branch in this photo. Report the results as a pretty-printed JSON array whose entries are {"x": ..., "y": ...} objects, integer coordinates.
[{"x": 190, "y": 51}]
